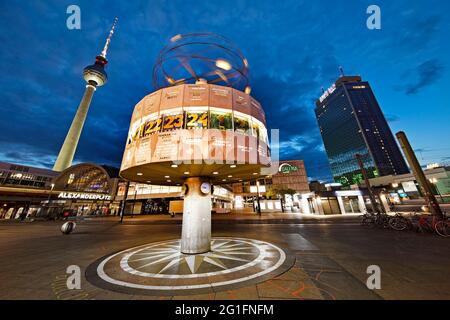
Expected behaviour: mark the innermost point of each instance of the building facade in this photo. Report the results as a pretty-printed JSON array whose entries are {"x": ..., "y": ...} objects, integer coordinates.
[
  {"x": 89, "y": 189},
  {"x": 160, "y": 199},
  {"x": 291, "y": 176},
  {"x": 22, "y": 189},
  {"x": 25, "y": 176},
  {"x": 405, "y": 186},
  {"x": 351, "y": 122},
  {"x": 80, "y": 190}
]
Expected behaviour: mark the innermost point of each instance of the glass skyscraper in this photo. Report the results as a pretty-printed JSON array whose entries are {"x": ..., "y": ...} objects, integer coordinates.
[{"x": 351, "y": 122}]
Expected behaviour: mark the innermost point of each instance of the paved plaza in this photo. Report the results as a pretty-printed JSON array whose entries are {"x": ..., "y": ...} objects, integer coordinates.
[{"x": 325, "y": 259}]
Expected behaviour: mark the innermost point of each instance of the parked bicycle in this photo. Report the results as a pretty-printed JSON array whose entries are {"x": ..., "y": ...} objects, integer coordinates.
[
  {"x": 400, "y": 223},
  {"x": 419, "y": 222},
  {"x": 380, "y": 220},
  {"x": 443, "y": 227},
  {"x": 433, "y": 223}
]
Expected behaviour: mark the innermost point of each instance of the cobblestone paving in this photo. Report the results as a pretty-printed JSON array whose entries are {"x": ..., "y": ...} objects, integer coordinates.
[{"x": 330, "y": 260}]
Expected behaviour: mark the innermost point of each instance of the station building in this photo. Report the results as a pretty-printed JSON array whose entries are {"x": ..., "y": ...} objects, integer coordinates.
[
  {"x": 88, "y": 189},
  {"x": 83, "y": 189}
]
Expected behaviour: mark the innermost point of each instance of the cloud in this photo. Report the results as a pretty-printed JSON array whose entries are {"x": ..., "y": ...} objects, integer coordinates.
[
  {"x": 26, "y": 155},
  {"x": 391, "y": 117},
  {"x": 425, "y": 75}
]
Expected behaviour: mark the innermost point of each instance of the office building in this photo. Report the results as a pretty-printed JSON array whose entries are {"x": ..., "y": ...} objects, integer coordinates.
[{"x": 351, "y": 122}]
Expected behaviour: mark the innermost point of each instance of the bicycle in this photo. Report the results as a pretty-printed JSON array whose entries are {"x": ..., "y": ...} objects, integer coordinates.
[
  {"x": 442, "y": 227},
  {"x": 375, "y": 219},
  {"x": 368, "y": 219},
  {"x": 399, "y": 222},
  {"x": 382, "y": 220},
  {"x": 434, "y": 223}
]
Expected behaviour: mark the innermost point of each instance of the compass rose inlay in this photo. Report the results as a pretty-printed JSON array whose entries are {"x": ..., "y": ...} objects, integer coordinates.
[{"x": 161, "y": 268}]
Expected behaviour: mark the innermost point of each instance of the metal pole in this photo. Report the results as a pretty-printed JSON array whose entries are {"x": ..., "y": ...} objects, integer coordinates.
[
  {"x": 366, "y": 179},
  {"x": 49, "y": 198},
  {"x": 257, "y": 190},
  {"x": 424, "y": 184},
  {"x": 134, "y": 200},
  {"x": 124, "y": 201}
]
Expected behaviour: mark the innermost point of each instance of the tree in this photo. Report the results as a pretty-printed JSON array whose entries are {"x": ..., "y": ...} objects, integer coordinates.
[{"x": 279, "y": 192}]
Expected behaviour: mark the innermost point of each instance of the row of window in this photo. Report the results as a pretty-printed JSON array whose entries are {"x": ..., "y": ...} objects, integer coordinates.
[
  {"x": 18, "y": 176},
  {"x": 7, "y": 181}
]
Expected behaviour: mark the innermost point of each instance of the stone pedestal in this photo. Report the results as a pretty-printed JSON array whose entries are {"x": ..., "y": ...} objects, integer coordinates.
[{"x": 196, "y": 231}]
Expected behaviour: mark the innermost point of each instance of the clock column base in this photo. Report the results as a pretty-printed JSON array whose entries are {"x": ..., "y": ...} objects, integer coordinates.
[{"x": 196, "y": 230}]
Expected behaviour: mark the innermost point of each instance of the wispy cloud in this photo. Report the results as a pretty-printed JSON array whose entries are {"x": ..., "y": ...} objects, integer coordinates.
[{"x": 424, "y": 75}]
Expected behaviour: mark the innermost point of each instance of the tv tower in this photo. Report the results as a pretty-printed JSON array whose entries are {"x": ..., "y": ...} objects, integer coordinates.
[{"x": 95, "y": 76}]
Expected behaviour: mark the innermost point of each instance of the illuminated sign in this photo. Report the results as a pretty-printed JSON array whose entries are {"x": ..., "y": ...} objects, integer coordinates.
[
  {"x": 83, "y": 196},
  {"x": 196, "y": 120},
  {"x": 329, "y": 91},
  {"x": 409, "y": 186},
  {"x": 433, "y": 166},
  {"x": 287, "y": 168}
]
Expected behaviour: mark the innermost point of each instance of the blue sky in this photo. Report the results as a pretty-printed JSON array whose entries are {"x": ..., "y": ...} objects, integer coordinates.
[{"x": 293, "y": 47}]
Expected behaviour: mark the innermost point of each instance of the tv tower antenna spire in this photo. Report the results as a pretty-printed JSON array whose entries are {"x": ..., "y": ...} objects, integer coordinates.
[{"x": 108, "y": 40}]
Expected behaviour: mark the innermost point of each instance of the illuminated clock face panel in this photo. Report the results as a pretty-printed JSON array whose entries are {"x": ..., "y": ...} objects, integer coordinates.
[
  {"x": 205, "y": 188},
  {"x": 199, "y": 127}
]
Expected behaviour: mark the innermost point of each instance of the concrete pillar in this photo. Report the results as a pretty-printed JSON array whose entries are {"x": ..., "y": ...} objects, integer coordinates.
[
  {"x": 196, "y": 230},
  {"x": 317, "y": 202},
  {"x": 69, "y": 146},
  {"x": 384, "y": 203},
  {"x": 361, "y": 204},
  {"x": 305, "y": 205},
  {"x": 424, "y": 184},
  {"x": 341, "y": 204}
]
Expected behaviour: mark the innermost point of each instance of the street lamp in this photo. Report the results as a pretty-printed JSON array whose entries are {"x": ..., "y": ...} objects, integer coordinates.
[
  {"x": 49, "y": 197},
  {"x": 434, "y": 182},
  {"x": 257, "y": 190}
]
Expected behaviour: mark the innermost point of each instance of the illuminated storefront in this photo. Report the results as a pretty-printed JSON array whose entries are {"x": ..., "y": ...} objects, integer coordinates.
[
  {"x": 157, "y": 199},
  {"x": 291, "y": 178},
  {"x": 84, "y": 189}
]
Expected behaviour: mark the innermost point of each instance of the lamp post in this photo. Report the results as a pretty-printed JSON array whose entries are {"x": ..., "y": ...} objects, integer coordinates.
[
  {"x": 134, "y": 200},
  {"x": 49, "y": 197},
  {"x": 368, "y": 186},
  {"x": 408, "y": 151},
  {"x": 124, "y": 201},
  {"x": 257, "y": 191}
]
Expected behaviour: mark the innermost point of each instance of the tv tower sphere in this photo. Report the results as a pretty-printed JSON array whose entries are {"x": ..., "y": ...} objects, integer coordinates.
[{"x": 95, "y": 74}]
